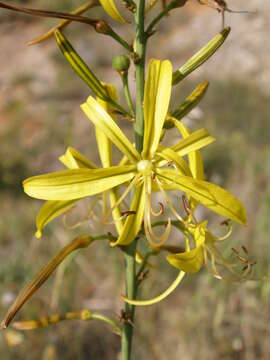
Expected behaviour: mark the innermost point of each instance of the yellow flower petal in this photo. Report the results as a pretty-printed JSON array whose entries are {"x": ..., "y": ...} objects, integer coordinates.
[
  {"x": 180, "y": 163},
  {"x": 194, "y": 157},
  {"x": 157, "y": 95},
  {"x": 73, "y": 159},
  {"x": 49, "y": 211},
  {"x": 111, "y": 10},
  {"x": 103, "y": 142},
  {"x": 133, "y": 223},
  {"x": 195, "y": 141},
  {"x": 189, "y": 261},
  {"x": 191, "y": 101},
  {"x": 207, "y": 194},
  {"x": 78, "y": 183},
  {"x": 103, "y": 121},
  {"x": 159, "y": 298},
  {"x": 201, "y": 56}
]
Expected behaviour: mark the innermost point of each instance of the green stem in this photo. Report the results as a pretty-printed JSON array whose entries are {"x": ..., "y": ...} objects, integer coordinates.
[
  {"x": 124, "y": 78},
  {"x": 107, "y": 320},
  {"x": 130, "y": 251},
  {"x": 119, "y": 39},
  {"x": 130, "y": 269},
  {"x": 172, "y": 5}
]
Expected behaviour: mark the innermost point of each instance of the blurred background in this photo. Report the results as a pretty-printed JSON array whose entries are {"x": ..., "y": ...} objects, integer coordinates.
[{"x": 40, "y": 117}]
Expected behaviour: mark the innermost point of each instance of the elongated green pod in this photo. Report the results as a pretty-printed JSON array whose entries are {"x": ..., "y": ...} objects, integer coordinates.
[
  {"x": 201, "y": 56},
  {"x": 83, "y": 71},
  {"x": 191, "y": 101}
]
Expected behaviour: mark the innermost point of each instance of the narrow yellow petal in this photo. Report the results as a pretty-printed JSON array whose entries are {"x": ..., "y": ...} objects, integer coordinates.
[
  {"x": 73, "y": 159},
  {"x": 194, "y": 157},
  {"x": 195, "y": 141},
  {"x": 191, "y": 101},
  {"x": 103, "y": 142},
  {"x": 180, "y": 163},
  {"x": 111, "y": 9},
  {"x": 103, "y": 121},
  {"x": 77, "y": 183},
  {"x": 157, "y": 95},
  {"x": 189, "y": 261},
  {"x": 133, "y": 223},
  {"x": 49, "y": 211},
  {"x": 159, "y": 298},
  {"x": 207, "y": 194}
]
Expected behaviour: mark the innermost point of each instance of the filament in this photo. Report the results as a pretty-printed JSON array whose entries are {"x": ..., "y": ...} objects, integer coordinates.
[
  {"x": 121, "y": 198},
  {"x": 168, "y": 203},
  {"x": 150, "y": 235}
]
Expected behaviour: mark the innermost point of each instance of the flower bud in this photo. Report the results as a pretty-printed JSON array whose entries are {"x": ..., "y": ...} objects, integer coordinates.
[
  {"x": 121, "y": 63},
  {"x": 102, "y": 27}
]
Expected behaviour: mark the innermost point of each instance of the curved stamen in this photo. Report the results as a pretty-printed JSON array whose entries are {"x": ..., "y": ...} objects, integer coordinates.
[
  {"x": 159, "y": 298},
  {"x": 150, "y": 235},
  {"x": 90, "y": 214},
  {"x": 168, "y": 203},
  {"x": 229, "y": 231},
  {"x": 159, "y": 212},
  {"x": 121, "y": 198}
]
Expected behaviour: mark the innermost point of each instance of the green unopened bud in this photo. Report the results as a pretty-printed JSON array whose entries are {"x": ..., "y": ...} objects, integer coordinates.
[{"x": 121, "y": 63}]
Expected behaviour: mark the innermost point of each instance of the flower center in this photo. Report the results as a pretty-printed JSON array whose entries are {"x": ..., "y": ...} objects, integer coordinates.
[{"x": 145, "y": 167}]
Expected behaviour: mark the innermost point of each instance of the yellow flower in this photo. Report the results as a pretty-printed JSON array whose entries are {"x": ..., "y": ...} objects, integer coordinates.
[
  {"x": 145, "y": 172},
  {"x": 206, "y": 252}
]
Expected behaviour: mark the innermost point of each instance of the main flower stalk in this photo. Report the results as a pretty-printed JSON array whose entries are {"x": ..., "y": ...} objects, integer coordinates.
[{"x": 130, "y": 264}]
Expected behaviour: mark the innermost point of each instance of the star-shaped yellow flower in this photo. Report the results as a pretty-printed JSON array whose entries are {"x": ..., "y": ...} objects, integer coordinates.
[{"x": 145, "y": 172}]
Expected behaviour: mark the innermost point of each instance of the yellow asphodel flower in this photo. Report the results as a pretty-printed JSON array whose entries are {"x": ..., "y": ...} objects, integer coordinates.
[{"x": 150, "y": 170}]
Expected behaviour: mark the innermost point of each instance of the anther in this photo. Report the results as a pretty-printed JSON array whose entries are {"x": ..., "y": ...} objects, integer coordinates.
[
  {"x": 186, "y": 205},
  {"x": 128, "y": 213},
  {"x": 161, "y": 208}
]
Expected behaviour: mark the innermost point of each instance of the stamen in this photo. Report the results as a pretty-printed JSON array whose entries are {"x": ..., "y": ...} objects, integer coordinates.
[
  {"x": 150, "y": 235},
  {"x": 121, "y": 198},
  {"x": 213, "y": 262},
  {"x": 229, "y": 232},
  {"x": 90, "y": 214},
  {"x": 186, "y": 205},
  {"x": 128, "y": 213},
  {"x": 159, "y": 298},
  {"x": 168, "y": 203},
  {"x": 160, "y": 212}
]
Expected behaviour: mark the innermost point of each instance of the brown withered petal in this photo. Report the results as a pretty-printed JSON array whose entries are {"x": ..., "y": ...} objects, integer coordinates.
[
  {"x": 79, "y": 242},
  {"x": 50, "y": 14},
  {"x": 64, "y": 23}
]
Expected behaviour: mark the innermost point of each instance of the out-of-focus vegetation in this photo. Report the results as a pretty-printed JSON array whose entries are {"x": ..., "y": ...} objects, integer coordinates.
[{"x": 40, "y": 116}]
